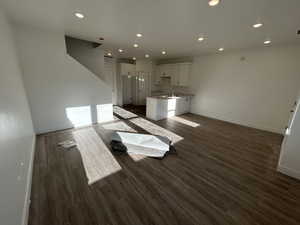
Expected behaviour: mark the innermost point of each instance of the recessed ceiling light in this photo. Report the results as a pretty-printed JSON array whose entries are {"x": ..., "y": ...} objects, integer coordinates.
[
  {"x": 201, "y": 39},
  {"x": 109, "y": 54},
  {"x": 121, "y": 50},
  {"x": 266, "y": 42},
  {"x": 134, "y": 58},
  {"x": 147, "y": 56},
  {"x": 213, "y": 2},
  {"x": 163, "y": 52},
  {"x": 257, "y": 25},
  {"x": 139, "y": 35},
  {"x": 79, "y": 15},
  {"x": 221, "y": 49},
  {"x": 136, "y": 45}
]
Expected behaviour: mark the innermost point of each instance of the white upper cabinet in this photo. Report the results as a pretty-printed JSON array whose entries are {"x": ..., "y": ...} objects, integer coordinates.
[
  {"x": 178, "y": 72},
  {"x": 157, "y": 75},
  {"x": 144, "y": 66},
  {"x": 184, "y": 70},
  {"x": 175, "y": 75},
  {"x": 127, "y": 69},
  {"x": 164, "y": 70}
]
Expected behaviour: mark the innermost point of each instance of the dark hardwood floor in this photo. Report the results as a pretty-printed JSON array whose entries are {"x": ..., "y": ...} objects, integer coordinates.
[
  {"x": 137, "y": 109},
  {"x": 222, "y": 174}
]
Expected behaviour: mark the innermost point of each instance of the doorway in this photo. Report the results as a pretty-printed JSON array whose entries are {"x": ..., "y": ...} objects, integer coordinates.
[
  {"x": 128, "y": 89},
  {"x": 136, "y": 88},
  {"x": 110, "y": 77},
  {"x": 141, "y": 88}
]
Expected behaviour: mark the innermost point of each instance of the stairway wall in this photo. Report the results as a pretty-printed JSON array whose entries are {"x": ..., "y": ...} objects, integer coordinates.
[
  {"x": 90, "y": 57},
  {"x": 60, "y": 90}
]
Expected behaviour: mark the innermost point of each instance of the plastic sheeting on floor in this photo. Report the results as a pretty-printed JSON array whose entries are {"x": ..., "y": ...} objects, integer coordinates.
[{"x": 144, "y": 144}]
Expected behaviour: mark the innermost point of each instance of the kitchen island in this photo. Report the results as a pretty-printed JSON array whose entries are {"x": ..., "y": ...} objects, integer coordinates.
[{"x": 161, "y": 107}]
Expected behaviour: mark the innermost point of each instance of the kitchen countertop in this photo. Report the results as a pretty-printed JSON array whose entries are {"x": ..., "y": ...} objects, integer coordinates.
[{"x": 171, "y": 97}]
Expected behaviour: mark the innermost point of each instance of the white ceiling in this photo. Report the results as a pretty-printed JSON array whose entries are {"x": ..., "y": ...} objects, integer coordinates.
[{"x": 171, "y": 25}]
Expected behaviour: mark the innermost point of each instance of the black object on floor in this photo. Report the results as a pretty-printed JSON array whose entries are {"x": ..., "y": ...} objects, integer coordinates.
[{"x": 118, "y": 146}]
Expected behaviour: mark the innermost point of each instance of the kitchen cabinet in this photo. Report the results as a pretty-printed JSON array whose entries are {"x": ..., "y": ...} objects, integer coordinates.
[
  {"x": 175, "y": 75},
  {"x": 127, "y": 69},
  {"x": 184, "y": 70},
  {"x": 179, "y": 73},
  {"x": 161, "y": 70},
  {"x": 164, "y": 107},
  {"x": 157, "y": 76},
  {"x": 144, "y": 66},
  {"x": 183, "y": 105},
  {"x": 165, "y": 70}
]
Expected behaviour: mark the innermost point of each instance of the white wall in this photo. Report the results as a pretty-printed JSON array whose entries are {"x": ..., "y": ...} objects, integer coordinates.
[
  {"x": 17, "y": 137},
  {"x": 92, "y": 58},
  {"x": 257, "y": 92},
  {"x": 289, "y": 162},
  {"x": 55, "y": 81}
]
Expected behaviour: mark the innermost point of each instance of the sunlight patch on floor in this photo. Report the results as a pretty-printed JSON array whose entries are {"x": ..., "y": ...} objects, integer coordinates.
[
  {"x": 137, "y": 157},
  {"x": 124, "y": 113},
  {"x": 156, "y": 130},
  {"x": 104, "y": 113},
  {"x": 118, "y": 126},
  {"x": 184, "y": 121},
  {"x": 97, "y": 158}
]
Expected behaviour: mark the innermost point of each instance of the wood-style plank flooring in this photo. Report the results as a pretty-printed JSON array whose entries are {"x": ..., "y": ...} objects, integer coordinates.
[{"x": 222, "y": 174}]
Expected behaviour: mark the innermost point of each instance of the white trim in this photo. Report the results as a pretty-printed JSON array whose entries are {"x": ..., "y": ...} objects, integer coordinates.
[
  {"x": 212, "y": 116},
  {"x": 28, "y": 186},
  {"x": 289, "y": 172}
]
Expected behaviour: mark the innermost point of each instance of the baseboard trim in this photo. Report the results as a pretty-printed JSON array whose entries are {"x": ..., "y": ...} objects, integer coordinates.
[
  {"x": 28, "y": 186},
  {"x": 269, "y": 129},
  {"x": 289, "y": 172}
]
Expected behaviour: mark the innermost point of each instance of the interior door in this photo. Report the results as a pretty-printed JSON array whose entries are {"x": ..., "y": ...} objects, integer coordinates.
[
  {"x": 142, "y": 94},
  {"x": 110, "y": 77},
  {"x": 127, "y": 89},
  {"x": 142, "y": 85}
]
